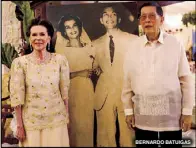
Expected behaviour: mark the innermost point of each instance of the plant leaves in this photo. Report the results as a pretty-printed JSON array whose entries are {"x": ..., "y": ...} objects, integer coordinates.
[
  {"x": 189, "y": 18},
  {"x": 28, "y": 16},
  {"x": 8, "y": 54}
]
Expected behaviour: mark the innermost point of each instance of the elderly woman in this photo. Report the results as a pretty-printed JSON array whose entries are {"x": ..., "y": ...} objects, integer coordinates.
[
  {"x": 80, "y": 54},
  {"x": 39, "y": 91}
]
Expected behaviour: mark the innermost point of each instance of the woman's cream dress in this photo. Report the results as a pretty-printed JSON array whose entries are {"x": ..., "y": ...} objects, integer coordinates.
[
  {"x": 41, "y": 89},
  {"x": 81, "y": 94}
]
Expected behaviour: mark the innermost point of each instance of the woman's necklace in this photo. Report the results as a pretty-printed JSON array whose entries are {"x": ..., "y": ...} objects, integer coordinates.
[
  {"x": 44, "y": 59},
  {"x": 40, "y": 65}
]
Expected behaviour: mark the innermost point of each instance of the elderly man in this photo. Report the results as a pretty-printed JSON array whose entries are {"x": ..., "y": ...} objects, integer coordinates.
[{"x": 157, "y": 90}]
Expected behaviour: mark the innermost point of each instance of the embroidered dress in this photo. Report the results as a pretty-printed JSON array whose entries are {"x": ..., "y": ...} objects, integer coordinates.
[{"x": 40, "y": 89}]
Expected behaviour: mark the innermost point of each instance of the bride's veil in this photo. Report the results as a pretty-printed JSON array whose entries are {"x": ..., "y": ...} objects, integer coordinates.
[{"x": 84, "y": 38}]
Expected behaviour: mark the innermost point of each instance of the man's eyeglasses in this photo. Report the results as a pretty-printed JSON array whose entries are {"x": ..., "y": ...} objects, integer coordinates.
[{"x": 151, "y": 16}]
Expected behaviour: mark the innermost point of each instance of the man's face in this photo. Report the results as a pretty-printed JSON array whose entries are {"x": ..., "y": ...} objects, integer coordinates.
[
  {"x": 109, "y": 18},
  {"x": 150, "y": 20}
]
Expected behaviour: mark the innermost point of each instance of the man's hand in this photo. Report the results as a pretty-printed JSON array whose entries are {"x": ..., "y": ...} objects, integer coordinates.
[
  {"x": 185, "y": 122},
  {"x": 130, "y": 120}
]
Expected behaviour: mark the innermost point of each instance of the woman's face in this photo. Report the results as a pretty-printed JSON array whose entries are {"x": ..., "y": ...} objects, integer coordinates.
[
  {"x": 39, "y": 37},
  {"x": 71, "y": 29}
]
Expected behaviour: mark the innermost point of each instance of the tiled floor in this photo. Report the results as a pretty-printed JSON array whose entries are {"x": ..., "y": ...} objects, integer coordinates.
[{"x": 190, "y": 135}]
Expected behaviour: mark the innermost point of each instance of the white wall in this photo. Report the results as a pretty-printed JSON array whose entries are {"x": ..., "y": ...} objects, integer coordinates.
[{"x": 11, "y": 31}]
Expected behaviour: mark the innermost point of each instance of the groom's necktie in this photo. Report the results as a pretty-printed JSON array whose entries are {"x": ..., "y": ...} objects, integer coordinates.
[{"x": 111, "y": 45}]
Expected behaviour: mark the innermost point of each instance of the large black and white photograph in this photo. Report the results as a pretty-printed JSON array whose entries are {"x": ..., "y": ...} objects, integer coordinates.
[{"x": 95, "y": 38}]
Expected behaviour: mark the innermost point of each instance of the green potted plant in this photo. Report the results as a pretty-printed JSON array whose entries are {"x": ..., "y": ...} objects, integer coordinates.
[{"x": 189, "y": 18}]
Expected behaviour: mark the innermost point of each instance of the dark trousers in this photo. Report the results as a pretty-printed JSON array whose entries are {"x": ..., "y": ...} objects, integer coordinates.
[{"x": 144, "y": 136}]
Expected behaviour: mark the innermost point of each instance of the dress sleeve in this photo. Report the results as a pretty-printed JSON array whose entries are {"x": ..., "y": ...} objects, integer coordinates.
[
  {"x": 17, "y": 84},
  {"x": 64, "y": 78}
]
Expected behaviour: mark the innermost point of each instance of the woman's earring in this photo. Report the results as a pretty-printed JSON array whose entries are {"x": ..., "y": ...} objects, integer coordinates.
[
  {"x": 31, "y": 48},
  {"x": 48, "y": 46}
]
